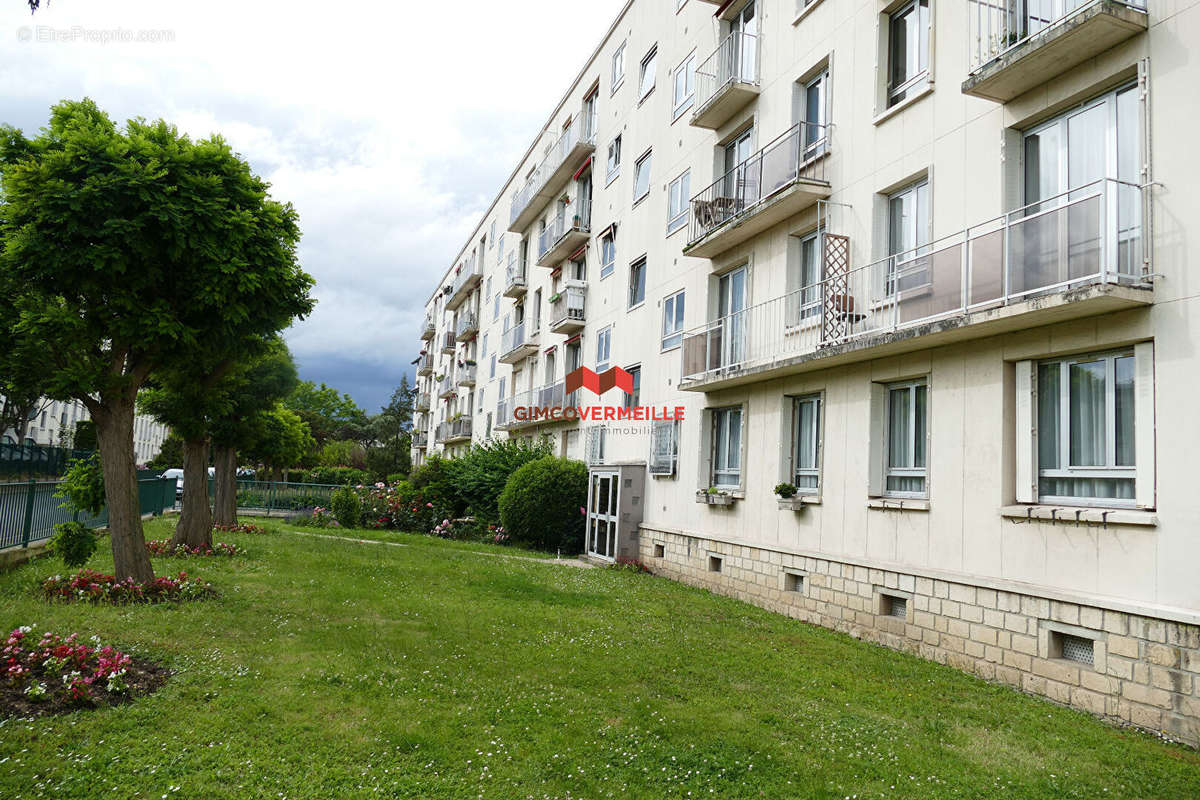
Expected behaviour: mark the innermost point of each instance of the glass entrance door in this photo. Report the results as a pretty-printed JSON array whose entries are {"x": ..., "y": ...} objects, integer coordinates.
[
  {"x": 731, "y": 311},
  {"x": 602, "y": 515}
]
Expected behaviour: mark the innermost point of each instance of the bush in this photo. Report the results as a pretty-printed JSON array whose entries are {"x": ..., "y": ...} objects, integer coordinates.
[
  {"x": 482, "y": 473},
  {"x": 73, "y": 542},
  {"x": 347, "y": 507},
  {"x": 96, "y": 587},
  {"x": 83, "y": 485},
  {"x": 338, "y": 476},
  {"x": 542, "y": 502},
  {"x": 437, "y": 481}
]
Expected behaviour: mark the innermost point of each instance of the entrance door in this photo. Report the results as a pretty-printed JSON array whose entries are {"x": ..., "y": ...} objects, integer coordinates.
[
  {"x": 744, "y": 26},
  {"x": 602, "y": 515},
  {"x": 731, "y": 311}
]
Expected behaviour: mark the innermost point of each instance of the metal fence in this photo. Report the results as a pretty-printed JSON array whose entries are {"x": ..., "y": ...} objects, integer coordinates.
[
  {"x": 734, "y": 61},
  {"x": 34, "y": 459},
  {"x": 272, "y": 496},
  {"x": 997, "y": 26},
  {"x": 29, "y": 511}
]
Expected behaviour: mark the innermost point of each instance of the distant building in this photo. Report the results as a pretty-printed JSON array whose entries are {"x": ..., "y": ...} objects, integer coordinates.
[{"x": 53, "y": 425}]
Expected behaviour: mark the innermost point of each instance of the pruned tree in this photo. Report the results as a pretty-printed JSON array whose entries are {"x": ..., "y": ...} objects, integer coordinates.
[
  {"x": 329, "y": 414},
  {"x": 282, "y": 439},
  {"x": 126, "y": 251}
]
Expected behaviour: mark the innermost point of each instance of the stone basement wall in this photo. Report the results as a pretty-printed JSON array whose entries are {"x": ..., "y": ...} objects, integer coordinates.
[{"x": 1145, "y": 671}]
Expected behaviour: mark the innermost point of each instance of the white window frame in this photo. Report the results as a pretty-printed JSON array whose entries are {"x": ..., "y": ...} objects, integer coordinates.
[
  {"x": 721, "y": 428},
  {"x": 613, "y": 160},
  {"x": 818, "y": 146},
  {"x": 648, "y": 71},
  {"x": 637, "y": 267},
  {"x": 815, "y": 401},
  {"x": 683, "y": 98},
  {"x": 634, "y": 398},
  {"x": 608, "y": 267},
  {"x": 603, "y": 348},
  {"x": 915, "y": 83},
  {"x": 641, "y": 174},
  {"x": 672, "y": 327},
  {"x": 908, "y": 268},
  {"x": 678, "y": 203},
  {"x": 912, "y": 471},
  {"x": 664, "y": 448},
  {"x": 618, "y": 68}
]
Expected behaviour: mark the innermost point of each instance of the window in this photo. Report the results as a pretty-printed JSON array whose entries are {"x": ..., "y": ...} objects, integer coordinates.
[
  {"x": 908, "y": 235},
  {"x": 488, "y": 293},
  {"x": 614, "y": 158},
  {"x": 502, "y": 394},
  {"x": 816, "y": 114},
  {"x": 908, "y": 51},
  {"x": 1085, "y": 429},
  {"x": 906, "y": 439},
  {"x": 664, "y": 447},
  {"x": 500, "y": 250},
  {"x": 677, "y": 202},
  {"x": 641, "y": 177},
  {"x": 805, "y": 278},
  {"x": 727, "y": 446},
  {"x": 603, "y": 349},
  {"x": 608, "y": 254},
  {"x": 685, "y": 86},
  {"x": 496, "y": 306},
  {"x": 618, "y": 67},
  {"x": 634, "y": 398},
  {"x": 637, "y": 282},
  {"x": 492, "y": 234},
  {"x": 492, "y": 373},
  {"x": 483, "y": 346},
  {"x": 648, "y": 73},
  {"x": 806, "y": 443},
  {"x": 672, "y": 333}
]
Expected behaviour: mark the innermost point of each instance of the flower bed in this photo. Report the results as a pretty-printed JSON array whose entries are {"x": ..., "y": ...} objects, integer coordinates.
[
  {"x": 50, "y": 674},
  {"x": 243, "y": 528},
  {"x": 162, "y": 547},
  {"x": 90, "y": 586}
]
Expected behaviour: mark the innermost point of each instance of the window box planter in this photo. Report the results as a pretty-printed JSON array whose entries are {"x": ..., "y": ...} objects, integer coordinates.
[
  {"x": 720, "y": 498},
  {"x": 796, "y": 503}
]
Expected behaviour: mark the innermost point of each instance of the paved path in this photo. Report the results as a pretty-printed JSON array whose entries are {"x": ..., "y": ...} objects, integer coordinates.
[{"x": 562, "y": 562}]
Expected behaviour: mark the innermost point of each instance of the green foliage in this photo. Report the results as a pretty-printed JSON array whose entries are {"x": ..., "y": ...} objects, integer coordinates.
[
  {"x": 170, "y": 455},
  {"x": 83, "y": 485},
  {"x": 483, "y": 471},
  {"x": 337, "y": 476},
  {"x": 541, "y": 504},
  {"x": 437, "y": 480},
  {"x": 329, "y": 415},
  {"x": 786, "y": 490},
  {"x": 341, "y": 454},
  {"x": 346, "y": 507},
  {"x": 73, "y": 542},
  {"x": 281, "y": 439}
]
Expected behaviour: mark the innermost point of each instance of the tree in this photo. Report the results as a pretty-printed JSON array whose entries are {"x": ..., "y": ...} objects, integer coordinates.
[
  {"x": 282, "y": 439},
  {"x": 124, "y": 252},
  {"x": 390, "y": 453},
  {"x": 329, "y": 415},
  {"x": 170, "y": 455}
]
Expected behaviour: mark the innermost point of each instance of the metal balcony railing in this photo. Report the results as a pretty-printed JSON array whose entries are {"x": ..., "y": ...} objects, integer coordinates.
[
  {"x": 796, "y": 155},
  {"x": 734, "y": 61},
  {"x": 581, "y": 129},
  {"x": 569, "y": 306},
  {"x": 1091, "y": 235},
  {"x": 428, "y": 330},
  {"x": 460, "y": 428},
  {"x": 996, "y": 26},
  {"x": 449, "y": 342},
  {"x": 425, "y": 365},
  {"x": 559, "y": 228},
  {"x": 466, "y": 374},
  {"x": 468, "y": 324},
  {"x": 514, "y": 275},
  {"x": 514, "y": 338},
  {"x": 420, "y": 439},
  {"x": 446, "y": 386},
  {"x": 421, "y": 404}
]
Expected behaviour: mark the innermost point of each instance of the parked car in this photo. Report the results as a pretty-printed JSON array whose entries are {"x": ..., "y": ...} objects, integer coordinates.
[
  {"x": 246, "y": 473},
  {"x": 177, "y": 474}
]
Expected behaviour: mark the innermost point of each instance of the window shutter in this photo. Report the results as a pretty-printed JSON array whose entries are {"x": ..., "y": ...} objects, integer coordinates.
[
  {"x": 1143, "y": 424},
  {"x": 1026, "y": 433},
  {"x": 877, "y": 445}
]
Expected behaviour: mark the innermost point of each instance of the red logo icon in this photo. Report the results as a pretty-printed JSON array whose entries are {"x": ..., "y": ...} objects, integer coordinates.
[{"x": 584, "y": 378}]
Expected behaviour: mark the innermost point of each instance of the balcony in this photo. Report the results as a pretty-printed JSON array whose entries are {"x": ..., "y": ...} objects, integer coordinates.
[
  {"x": 517, "y": 344},
  {"x": 446, "y": 387},
  {"x": 562, "y": 238},
  {"x": 567, "y": 308},
  {"x": 421, "y": 403},
  {"x": 428, "y": 330},
  {"x": 1076, "y": 255},
  {"x": 1016, "y": 45},
  {"x": 449, "y": 342},
  {"x": 567, "y": 155},
  {"x": 779, "y": 181},
  {"x": 454, "y": 430},
  {"x": 727, "y": 80},
  {"x": 504, "y": 417},
  {"x": 425, "y": 365},
  {"x": 515, "y": 284},
  {"x": 468, "y": 326},
  {"x": 466, "y": 374},
  {"x": 420, "y": 440},
  {"x": 467, "y": 278}
]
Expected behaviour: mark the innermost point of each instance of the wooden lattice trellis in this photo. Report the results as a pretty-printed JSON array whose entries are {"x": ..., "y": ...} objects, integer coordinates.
[{"x": 838, "y": 316}]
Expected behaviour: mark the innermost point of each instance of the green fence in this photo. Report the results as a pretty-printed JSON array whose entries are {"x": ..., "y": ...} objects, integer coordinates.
[
  {"x": 29, "y": 511},
  {"x": 34, "y": 459},
  {"x": 271, "y": 496}
]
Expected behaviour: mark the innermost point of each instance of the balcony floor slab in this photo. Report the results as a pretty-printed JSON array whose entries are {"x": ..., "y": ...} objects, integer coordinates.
[{"x": 784, "y": 203}]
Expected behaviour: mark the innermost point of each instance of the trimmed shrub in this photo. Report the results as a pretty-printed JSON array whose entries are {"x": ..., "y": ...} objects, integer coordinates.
[
  {"x": 338, "y": 476},
  {"x": 542, "y": 502},
  {"x": 347, "y": 508},
  {"x": 437, "y": 481},
  {"x": 484, "y": 470},
  {"x": 73, "y": 543}
]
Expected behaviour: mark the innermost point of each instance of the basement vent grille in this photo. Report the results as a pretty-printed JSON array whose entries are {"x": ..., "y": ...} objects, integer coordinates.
[
  {"x": 1076, "y": 648},
  {"x": 714, "y": 564},
  {"x": 660, "y": 551},
  {"x": 895, "y": 606},
  {"x": 793, "y": 582}
]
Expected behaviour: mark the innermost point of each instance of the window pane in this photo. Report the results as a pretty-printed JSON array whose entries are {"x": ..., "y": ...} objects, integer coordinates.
[
  {"x": 1087, "y": 414},
  {"x": 1049, "y": 428},
  {"x": 919, "y": 429},
  {"x": 899, "y": 430},
  {"x": 1124, "y": 368},
  {"x": 806, "y": 435},
  {"x": 735, "y": 439}
]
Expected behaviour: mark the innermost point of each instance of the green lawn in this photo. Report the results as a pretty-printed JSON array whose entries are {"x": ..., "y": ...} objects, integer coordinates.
[{"x": 432, "y": 670}]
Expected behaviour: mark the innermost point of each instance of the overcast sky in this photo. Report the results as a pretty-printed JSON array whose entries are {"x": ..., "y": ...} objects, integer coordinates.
[{"x": 390, "y": 129}]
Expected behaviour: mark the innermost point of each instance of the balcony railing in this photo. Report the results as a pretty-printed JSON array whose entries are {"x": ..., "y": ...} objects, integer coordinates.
[
  {"x": 517, "y": 342},
  {"x": 795, "y": 156},
  {"x": 563, "y": 236},
  {"x": 579, "y": 137},
  {"x": 567, "y": 311},
  {"x": 459, "y": 429},
  {"x": 449, "y": 342},
  {"x": 420, "y": 439},
  {"x": 1014, "y": 45},
  {"x": 425, "y": 365},
  {"x": 446, "y": 387},
  {"x": 468, "y": 325},
  {"x": 421, "y": 404},
  {"x": 466, "y": 374},
  {"x": 515, "y": 283},
  {"x": 1089, "y": 236},
  {"x": 469, "y": 274},
  {"x": 734, "y": 63},
  {"x": 428, "y": 330}
]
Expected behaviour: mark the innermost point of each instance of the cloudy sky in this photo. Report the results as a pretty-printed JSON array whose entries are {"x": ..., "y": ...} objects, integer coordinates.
[{"x": 390, "y": 129}]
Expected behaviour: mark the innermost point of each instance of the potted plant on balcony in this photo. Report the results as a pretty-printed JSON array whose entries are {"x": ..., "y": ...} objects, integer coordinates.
[
  {"x": 554, "y": 298},
  {"x": 714, "y": 496},
  {"x": 789, "y": 499}
]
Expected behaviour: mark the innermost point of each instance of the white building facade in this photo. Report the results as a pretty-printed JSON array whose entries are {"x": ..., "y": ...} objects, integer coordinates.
[
  {"x": 53, "y": 425},
  {"x": 922, "y": 266}
]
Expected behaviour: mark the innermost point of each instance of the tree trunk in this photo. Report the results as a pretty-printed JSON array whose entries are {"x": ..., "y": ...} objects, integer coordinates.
[
  {"x": 195, "y": 520},
  {"x": 114, "y": 435},
  {"x": 225, "y": 489}
]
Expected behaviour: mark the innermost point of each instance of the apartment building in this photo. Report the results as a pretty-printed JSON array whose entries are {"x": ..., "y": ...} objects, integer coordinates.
[
  {"x": 53, "y": 425},
  {"x": 923, "y": 261}
]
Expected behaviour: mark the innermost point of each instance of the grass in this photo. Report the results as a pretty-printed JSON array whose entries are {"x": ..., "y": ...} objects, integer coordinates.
[{"x": 333, "y": 669}]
